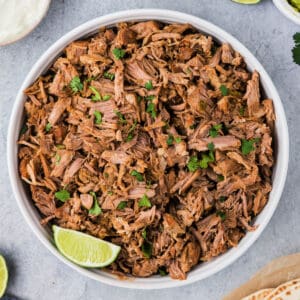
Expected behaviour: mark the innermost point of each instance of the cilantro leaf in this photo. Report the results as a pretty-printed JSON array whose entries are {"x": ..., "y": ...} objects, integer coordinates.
[
  {"x": 178, "y": 140},
  {"x": 205, "y": 159},
  {"x": 108, "y": 75},
  {"x": 193, "y": 164},
  {"x": 96, "y": 97},
  {"x": 222, "y": 199},
  {"x": 296, "y": 49},
  {"x": 144, "y": 201},
  {"x": 211, "y": 146},
  {"x": 224, "y": 90},
  {"x": 25, "y": 128},
  {"x": 151, "y": 109},
  {"x": 137, "y": 175},
  {"x": 148, "y": 85},
  {"x": 48, "y": 127},
  {"x": 170, "y": 139},
  {"x": 248, "y": 145},
  {"x": 57, "y": 158},
  {"x": 220, "y": 177},
  {"x": 96, "y": 209},
  {"x": 118, "y": 53},
  {"x": 150, "y": 97},
  {"x": 221, "y": 214},
  {"x": 121, "y": 117},
  {"x": 147, "y": 249},
  {"x": 106, "y": 97},
  {"x": 162, "y": 271},
  {"x": 122, "y": 205},
  {"x": 62, "y": 195},
  {"x": 98, "y": 117},
  {"x": 130, "y": 131},
  {"x": 76, "y": 85},
  {"x": 214, "y": 130},
  {"x": 144, "y": 234}
]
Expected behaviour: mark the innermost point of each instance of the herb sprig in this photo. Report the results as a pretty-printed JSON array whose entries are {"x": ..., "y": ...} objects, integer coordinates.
[{"x": 296, "y": 49}]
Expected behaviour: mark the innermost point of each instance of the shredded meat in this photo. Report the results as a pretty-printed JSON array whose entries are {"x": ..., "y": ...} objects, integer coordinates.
[{"x": 166, "y": 129}]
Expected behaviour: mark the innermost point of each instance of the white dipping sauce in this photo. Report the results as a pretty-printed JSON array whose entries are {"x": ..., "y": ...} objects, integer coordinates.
[{"x": 18, "y": 17}]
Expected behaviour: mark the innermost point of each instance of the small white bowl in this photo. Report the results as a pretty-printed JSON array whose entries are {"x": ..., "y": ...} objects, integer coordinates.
[
  {"x": 203, "y": 270},
  {"x": 27, "y": 28},
  {"x": 287, "y": 10}
]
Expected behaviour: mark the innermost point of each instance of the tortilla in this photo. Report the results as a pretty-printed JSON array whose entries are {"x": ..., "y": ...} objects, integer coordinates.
[
  {"x": 259, "y": 295},
  {"x": 287, "y": 291}
]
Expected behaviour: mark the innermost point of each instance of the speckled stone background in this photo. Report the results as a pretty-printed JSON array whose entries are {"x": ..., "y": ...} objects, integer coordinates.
[{"x": 37, "y": 274}]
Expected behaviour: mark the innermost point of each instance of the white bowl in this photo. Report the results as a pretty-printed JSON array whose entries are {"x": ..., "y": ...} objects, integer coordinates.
[
  {"x": 39, "y": 14},
  {"x": 287, "y": 10},
  {"x": 203, "y": 270}
]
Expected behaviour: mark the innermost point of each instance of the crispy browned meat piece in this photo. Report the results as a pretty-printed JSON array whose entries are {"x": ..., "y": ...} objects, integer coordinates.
[{"x": 163, "y": 127}]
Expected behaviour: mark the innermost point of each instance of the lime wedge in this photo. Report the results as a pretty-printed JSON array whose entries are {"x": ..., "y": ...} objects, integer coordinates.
[
  {"x": 83, "y": 249},
  {"x": 3, "y": 276},
  {"x": 246, "y": 1}
]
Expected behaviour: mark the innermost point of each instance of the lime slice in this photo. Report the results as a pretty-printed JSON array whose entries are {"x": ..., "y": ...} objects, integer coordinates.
[
  {"x": 3, "y": 276},
  {"x": 246, "y": 1},
  {"x": 83, "y": 249}
]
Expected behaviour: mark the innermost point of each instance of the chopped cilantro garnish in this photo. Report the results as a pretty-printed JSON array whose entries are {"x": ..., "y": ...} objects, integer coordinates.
[
  {"x": 48, "y": 127},
  {"x": 148, "y": 85},
  {"x": 296, "y": 49},
  {"x": 214, "y": 130},
  {"x": 24, "y": 129},
  {"x": 170, "y": 139},
  {"x": 149, "y": 98},
  {"x": 248, "y": 145},
  {"x": 147, "y": 249},
  {"x": 76, "y": 85},
  {"x": 221, "y": 214},
  {"x": 162, "y": 271},
  {"x": 222, "y": 199},
  {"x": 242, "y": 111},
  {"x": 220, "y": 178},
  {"x": 137, "y": 175},
  {"x": 90, "y": 79},
  {"x": 130, "y": 131},
  {"x": 193, "y": 164},
  {"x": 96, "y": 209},
  {"x": 211, "y": 146},
  {"x": 96, "y": 97},
  {"x": 122, "y": 205},
  {"x": 62, "y": 195},
  {"x": 118, "y": 53},
  {"x": 106, "y": 97},
  {"x": 144, "y": 201},
  {"x": 98, "y": 117},
  {"x": 224, "y": 90},
  {"x": 144, "y": 234},
  {"x": 151, "y": 109},
  {"x": 121, "y": 117},
  {"x": 57, "y": 158},
  {"x": 108, "y": 75},
  {"x": 178, "y": 140}
]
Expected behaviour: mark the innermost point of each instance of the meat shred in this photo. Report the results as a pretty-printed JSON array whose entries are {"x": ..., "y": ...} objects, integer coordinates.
[{"x": 166, "y": 129}]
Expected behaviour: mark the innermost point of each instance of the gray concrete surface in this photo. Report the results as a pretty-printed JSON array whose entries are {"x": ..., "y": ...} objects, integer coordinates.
[{"x": 37, "y": 274}]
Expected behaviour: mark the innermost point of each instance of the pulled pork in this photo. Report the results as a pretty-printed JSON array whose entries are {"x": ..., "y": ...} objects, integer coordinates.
[{"x": 153, "y": 137}]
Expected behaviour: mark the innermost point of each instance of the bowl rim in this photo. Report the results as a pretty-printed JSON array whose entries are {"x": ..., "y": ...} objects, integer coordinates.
[
  {"x": 287, "y": 10},
  {"x": 203, "y": 270},
  {"x": 30, "y": 29}
]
